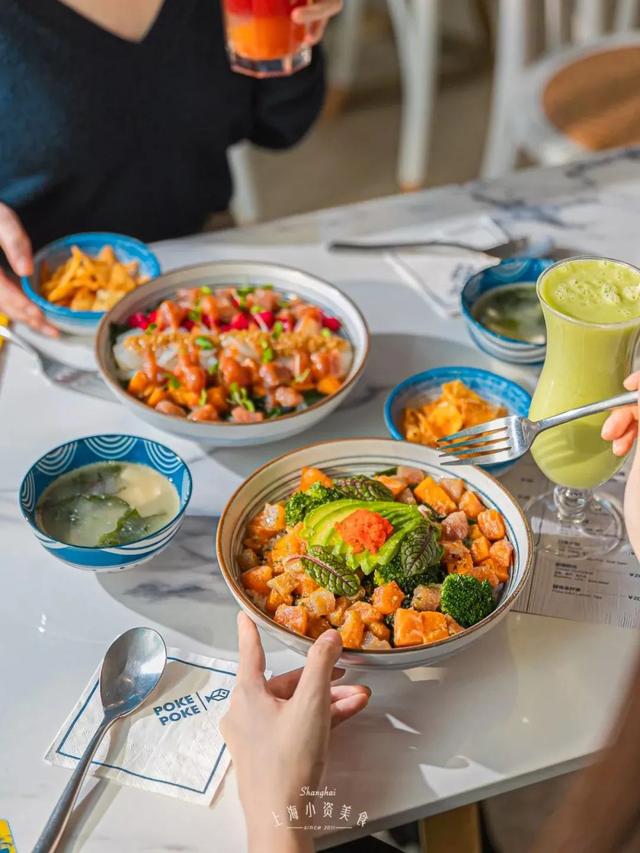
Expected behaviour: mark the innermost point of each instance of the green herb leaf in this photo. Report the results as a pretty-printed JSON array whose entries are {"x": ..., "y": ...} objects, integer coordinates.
[
  {"x": 151, "y": 328},
  {"x": 256, "y": 309},
  {"x": 420, "y": 549},
  {"x": 131, "y": 526},
  {"x": 204, "y": 342},
  {"x": 329, "y": 571},
  {"x": 276, "y": 412},
  {"x": 245, "y": 291},
  {"x": 240, "y": 397},
  {"x": 363, "y": 488},
  {"x": 206, "y": 290},
  {"x": 174, "y": 382},
  {"x": 212, "y": 369},
  {"x": 267, "y": 355},
  {"x": 326, "y": 333},
  {"x": 277, "y": 330},
  {"x": 195, "y": 315},
  {"x": 202, "y": 399},
  {"x": 301, "y": 377}
]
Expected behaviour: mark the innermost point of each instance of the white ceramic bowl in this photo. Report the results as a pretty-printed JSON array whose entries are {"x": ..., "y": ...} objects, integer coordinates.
[
  {"x": 278, "y": 478},
  {"x": 244, "y": 274}
]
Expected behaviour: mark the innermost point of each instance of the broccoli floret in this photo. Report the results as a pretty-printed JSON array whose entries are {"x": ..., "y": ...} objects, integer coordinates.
[
  {"x": 394, "y": 571},
  {"x": 300, "y": 504},
  {"x": 466, "y": 599}
]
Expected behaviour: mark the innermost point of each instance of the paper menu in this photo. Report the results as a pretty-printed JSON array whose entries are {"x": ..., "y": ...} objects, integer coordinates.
[{"x": 606, "y": 589}]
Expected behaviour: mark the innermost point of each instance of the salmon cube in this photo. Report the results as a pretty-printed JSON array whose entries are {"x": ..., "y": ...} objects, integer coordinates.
[
  {"x": 457, "y": 558},
  {"x": 267, "y": 523},
  {"x": 321, "y": 602},
  {"x": 454, "y": 487},
  {"x": 502, "y": 553},
  {"x": 275, "y": 599},
  {"x": 248, "y": 559},
  {"x": 370, "y": 641},
  {"x": 387, "y": 598},
  {"x": 317, "y": 625},
  {"x": 379, "y": 630},
  {"x": 295, "y": 618},
  {"x": 336, "y": 617},
  {"x": 395, "y": 486},
  {"x": 368, "y": 613},
  {"x": 426, "y": 597},
  {"x": 352, "y": 630},
  {"x": 471, "y": 505},
  {"x": 309, "y": 476},
  {"x": 455, "y": 526},
  {"x": 407, "y": 628},
  {"x": 434, "y": 626},
  {"x": 289, "y": 544},
  {"x": 258, "y": 598},
  {"x": 480, "y": 548},
  {"x": 284, "y": 584},
  {"x": 411, "y": 476},
  {"x": 429, "y": 492},
  {"x": 491, "y": 524},
  {"x": 486, "y": 571},
  {"x": 453, "y": 626},
  {"x": 305, "y": 584},
  {"x": 257, "y": 579},
  {"x": 406, "y": 496},
  {"x": 474, "y": 531}
]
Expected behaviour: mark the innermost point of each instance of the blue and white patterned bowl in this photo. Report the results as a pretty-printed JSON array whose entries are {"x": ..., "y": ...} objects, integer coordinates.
[
  {"x": 54, "y": 254},
  {"x": 509, "y": 271},
  {"x": 426, "y": 386},
  {"x": 105, "y": 448}
]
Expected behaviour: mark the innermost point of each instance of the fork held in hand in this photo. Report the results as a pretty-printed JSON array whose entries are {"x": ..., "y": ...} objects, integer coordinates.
[{"x": 506, "y": 439}]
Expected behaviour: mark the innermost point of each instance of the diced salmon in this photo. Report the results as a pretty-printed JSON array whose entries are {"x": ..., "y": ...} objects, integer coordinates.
[
  {"x": 486, "y": 571},
  {"x": 169, "y": 408},
  {"x": 232, "y": 371},
  {"x": 336, "y": 617},
  {"x": 455, "y": 526},
  {"x": 294, "y": 617},
  {"x": 426, "y": 597},
  {"x": 275, "y": 599},
  {"x": 454, "y": 487},
  {"x": 317, "y": 625},
  {"x": 257, "y": 579},
  {"x": 434, "y": 626},
  {"x": 368, "y": 613},
  {"x": 373, "y": 643},
  {"x": 352, "y": 630},
  {"x": 288, "y": 544},
  {"x": 240, "y": 415},
  {"x": 329, "y": 385},
  {"x": 480, "y": 548},
  {"x": 429, "y": 492},
  {"x": 305, "y": 584},
  {"x": 267, "y": 523},
  {"x": 457, "y": 558},
  {"x": 273, "y": 374},
  {"x": 407, "y": 628},
  {"x": 387, "y": 598},
  {"x": 321, "y": 602},
  {"x": 502, "y": 553},
  {"x": 395, "y": 486},
  {"x": 406, "y": 496},
  {"x": 379, "y": 630},
  {"x": 471, "y": 505},
  {"x": 411, "y": 476},
  {"x": 284, "y": 584},
  {"x": 453, "y": 626},
  {"x": 309, "y": 476},
  {"x": 491, "y": 524},
  {"x": 248, "y": 559},
  {"x": 288, "y": 397}
]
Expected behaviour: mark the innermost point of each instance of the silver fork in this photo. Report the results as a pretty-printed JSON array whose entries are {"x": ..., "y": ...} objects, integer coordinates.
[
  {"x": 506, "y": 439},
  {"x": 58, "y": 373}
]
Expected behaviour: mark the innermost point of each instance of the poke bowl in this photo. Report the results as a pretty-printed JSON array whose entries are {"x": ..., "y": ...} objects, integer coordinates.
[
  {"x": 391, "y": 565},
  {"x": 499, "y": 395},
  {"x": 499, "y": 338},
  {"x": 93, "y": 461},
  {"x": 233, "y": 353},
  {"x": 126, "y": 250}
]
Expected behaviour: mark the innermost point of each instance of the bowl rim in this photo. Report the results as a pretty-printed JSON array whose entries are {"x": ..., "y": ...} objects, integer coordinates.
[
  {"x": 240, "y": 595},
  {"x": 497, "y": 336},
  {"x": 115, "y": 386},
  {"x": 416, "y": 378},
  {"x": 89, "y": 549},
  {"x": 109, "y": 238}
]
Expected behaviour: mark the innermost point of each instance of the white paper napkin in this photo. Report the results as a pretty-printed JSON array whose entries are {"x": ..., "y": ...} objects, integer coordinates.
[
  {"x": 439, "y": 275},
  {"x": 172, "y": 745}
]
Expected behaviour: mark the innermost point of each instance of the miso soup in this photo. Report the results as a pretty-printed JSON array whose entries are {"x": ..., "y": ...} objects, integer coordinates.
[
  {"x": 107, "y": 504},
  {"x": 512, "y": 310}
]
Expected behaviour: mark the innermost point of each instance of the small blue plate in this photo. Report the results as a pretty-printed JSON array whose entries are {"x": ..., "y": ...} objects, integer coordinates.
[
  {"x": 55, "y": 254},
  {"x": 105, "y": 448},
  {"x": 509, "y": 271},
  {"x": 426, "y": 386}
]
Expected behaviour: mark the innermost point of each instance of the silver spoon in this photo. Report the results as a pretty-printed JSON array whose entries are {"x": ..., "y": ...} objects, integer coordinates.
[{"x": 131, "y": 670}]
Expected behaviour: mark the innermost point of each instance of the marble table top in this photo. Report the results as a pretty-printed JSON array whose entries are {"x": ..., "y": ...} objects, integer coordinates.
[{"x": 530, "y": 701}]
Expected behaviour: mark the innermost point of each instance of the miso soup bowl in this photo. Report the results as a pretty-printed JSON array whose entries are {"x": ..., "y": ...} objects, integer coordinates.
[
  {"x": 278, "y": 478},
  {"x": 105, "y": 448}
]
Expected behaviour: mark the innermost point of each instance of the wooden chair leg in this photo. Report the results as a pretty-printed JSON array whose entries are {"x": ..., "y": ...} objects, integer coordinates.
[
  {"x": 456, "y": 831},
  {"x": 343, "y": 58}
]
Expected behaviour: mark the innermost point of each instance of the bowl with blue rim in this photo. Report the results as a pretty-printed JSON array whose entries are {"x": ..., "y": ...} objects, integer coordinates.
[
  {"x": 516, "y": 303},
  {"x": 422, "y": 388},
  {"x": 111, "y": 448},
  {"x": 53, "y": 255}
]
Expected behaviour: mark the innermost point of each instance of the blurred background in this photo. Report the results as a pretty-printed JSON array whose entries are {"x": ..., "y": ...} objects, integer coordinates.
[{"x": 430, "y": 92}]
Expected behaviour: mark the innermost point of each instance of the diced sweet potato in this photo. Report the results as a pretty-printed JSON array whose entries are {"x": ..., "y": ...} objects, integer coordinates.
[
  {"x": 486, "y": 571},
  {"x": 429, "y": 492},
  {"x": 368, "y": 613},
  {"x": 290, "y": 543},
  {"x": 309, "y": 476},
  {"x": 457, "y": 558},
  {"x": 407, "y": 628},
  {"x": 471, "y": 505},
  {"x": 371, "y": 642},
  {"x": 394, "y": 485},
  {"x": 336, "y": 617},
  {"x": 305, "y": 584},
  {"x": 434, "y": 626},
  {"x": 480, "y": 547},
  {"x": 379, "y": 630},
  {"x": 453, "y": 626},
  {"x": 321, "y": 602},
  {"x": 387, "y": 598},
  {"x": 455, "y": 526},
  {"x": 454, "y": 487},
  {"x": 138, "y": 383},
  {"x": 257, "y": 579},
  {"x": 352, "y": 630},
  {"x": 502, "y": 553},
  {"x": 491, "y": 523},
  {"x": 317, "y": 625},
  {"x": 284, "y": 583},
  {"x": 294, "y": 617},
  {"x": 156, "y": 396},
  {"x": 267, "y": 523},
  {"x": 275, "y": 599},
  {"x": 329, "y": 385}
]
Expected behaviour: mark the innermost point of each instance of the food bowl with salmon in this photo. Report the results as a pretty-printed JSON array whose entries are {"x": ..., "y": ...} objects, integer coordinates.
[
  {"x": 375, "y": 538},
  {"x": 233, "y": 353}
]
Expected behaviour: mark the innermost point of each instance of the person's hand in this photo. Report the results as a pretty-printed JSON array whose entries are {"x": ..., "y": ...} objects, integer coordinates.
[
  {"x": 621, "y": 428},
  {"x": 277, "y": 732},
  {"x": 17, "y": 248},
  {"x": 316, "y": 17}
]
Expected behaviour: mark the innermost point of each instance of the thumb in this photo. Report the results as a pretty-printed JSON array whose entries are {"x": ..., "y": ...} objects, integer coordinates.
[
  {"x": 15, "y": 242},
  {"x": 315, "y": 681}
]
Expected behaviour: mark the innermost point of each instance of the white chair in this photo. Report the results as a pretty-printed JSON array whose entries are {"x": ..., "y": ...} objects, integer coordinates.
[{"x": 571, "y": 32}]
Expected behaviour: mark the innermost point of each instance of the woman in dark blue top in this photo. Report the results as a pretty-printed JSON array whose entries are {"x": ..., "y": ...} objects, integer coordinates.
[{"x": 117, "y": 116}]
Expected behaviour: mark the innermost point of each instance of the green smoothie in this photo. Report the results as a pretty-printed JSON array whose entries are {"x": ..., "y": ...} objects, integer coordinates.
[{"x": 591, "y": 308}]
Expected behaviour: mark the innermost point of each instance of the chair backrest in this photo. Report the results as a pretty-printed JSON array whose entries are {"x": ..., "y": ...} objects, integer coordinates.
[{"x": 578, "y": 21}]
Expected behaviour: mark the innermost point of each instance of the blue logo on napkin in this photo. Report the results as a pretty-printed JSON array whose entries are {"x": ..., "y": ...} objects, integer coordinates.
[{"x": 218, "y": 695}]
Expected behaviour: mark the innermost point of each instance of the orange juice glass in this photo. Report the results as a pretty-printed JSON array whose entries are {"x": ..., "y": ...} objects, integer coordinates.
[{"x": 262, "y": 40}]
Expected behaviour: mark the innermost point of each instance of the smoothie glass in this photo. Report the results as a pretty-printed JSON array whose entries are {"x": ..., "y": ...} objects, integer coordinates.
[
  {"x": 262, "y": 40},
  {"x": 591, "y": 308}
]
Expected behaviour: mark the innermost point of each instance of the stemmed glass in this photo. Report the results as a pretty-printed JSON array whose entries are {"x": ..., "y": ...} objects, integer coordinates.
[{"x": 586, "y": 361}]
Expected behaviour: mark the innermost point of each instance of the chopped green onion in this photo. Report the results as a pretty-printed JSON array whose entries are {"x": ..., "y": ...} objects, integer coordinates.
[
  {"x": 202, "y": 399},
  {"x": 302, "y": 376},
  {"x": 326, "y": 333},
  {"x": 277, "y": 330},
  {"x": 151, "y": 328},
  {"x": 277, "y": 412},
  {"x": 204, "y": 342},
  {"x": 174, "y": 382},
  {"x": 240, "y": 397},
  {"x": 256, "y": 309},
  {"x": 205, "y": 289},
  {"x": 195, "y": 315},
  {"x": 212, "y": 369},
  {"x": 244, "y": 291},
  {"x": 267, "y": 355}
]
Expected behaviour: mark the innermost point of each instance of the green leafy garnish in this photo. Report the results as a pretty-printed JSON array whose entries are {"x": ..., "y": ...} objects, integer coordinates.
[
  {"x": 300, "y": 504},
  {"x": 420, "y": 549},
  {"x": 204, "y": 342},
  {"x": 359, "y": 487},
  {"x": 256, "y": 309},
  {"x": 131, "y": 526},
  {"x": 150, "y": 328},
  {"x": 173, "y": 381},
  {"x": 195, "y": 315},
  {"x": 245, "y": 291},
  {"x": 202, "y": 399},
  {"x": 213, "y": 368},
  {"x": 277, "y": 330},
  {"x": 302, "y": 377},
  {"x": 240, "y": 397},
  {"x": 326, "y": 333},
  {"x": 312, "y": 396},
  {"x": 205, "y": 289},
  {"x": 267, "y": 352},
  {"x": 329, "y": 571}
]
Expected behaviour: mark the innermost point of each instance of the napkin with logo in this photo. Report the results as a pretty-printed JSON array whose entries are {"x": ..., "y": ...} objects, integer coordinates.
[
  {"x": 172, "y": 744},
  {"x": 438, "y": 274}
]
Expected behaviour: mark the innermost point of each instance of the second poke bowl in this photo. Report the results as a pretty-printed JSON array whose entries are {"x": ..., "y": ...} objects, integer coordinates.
[{"x": 233, "y": 353}]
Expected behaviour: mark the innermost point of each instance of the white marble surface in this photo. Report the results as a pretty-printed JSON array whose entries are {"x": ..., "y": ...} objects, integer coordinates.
[{"x": 530, "y": 701}]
